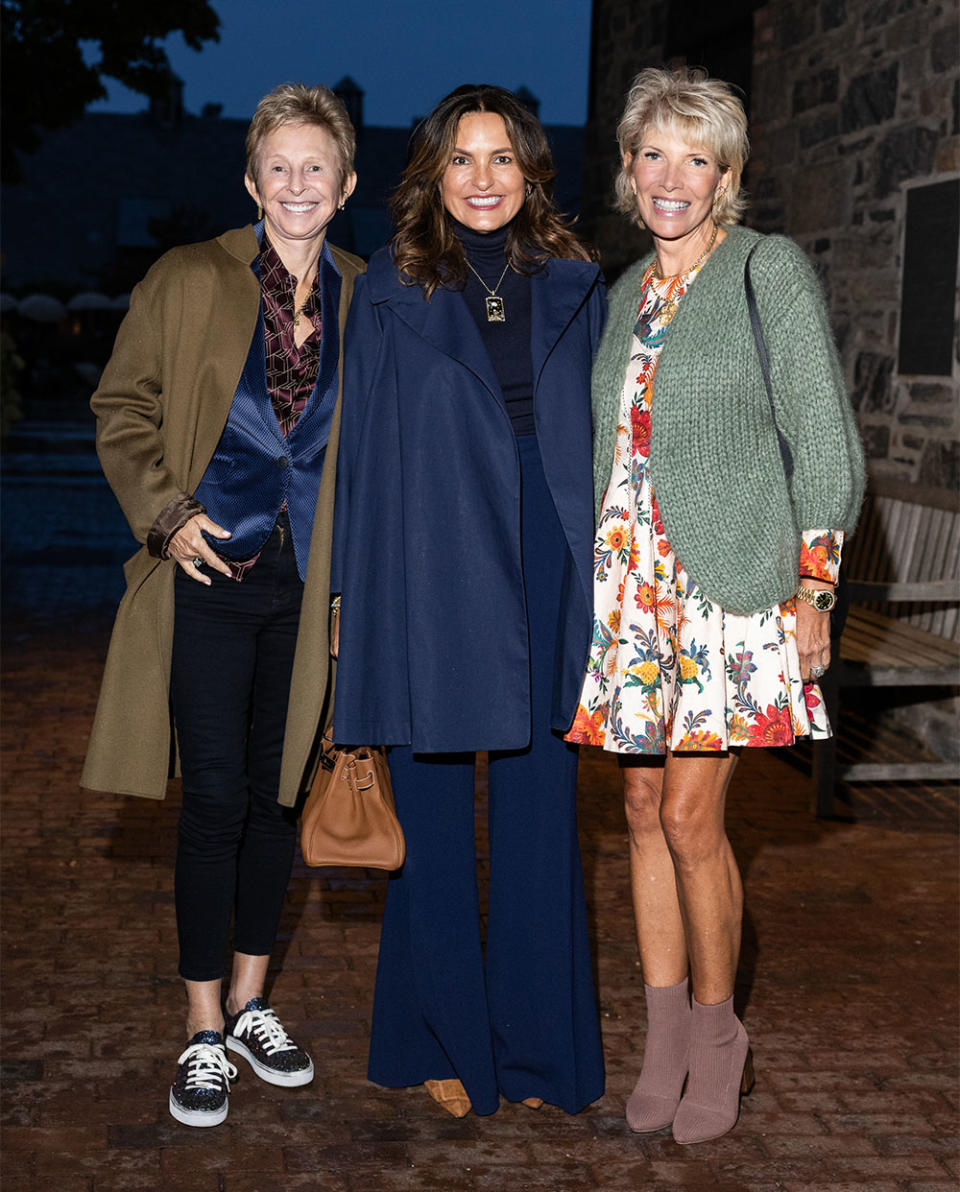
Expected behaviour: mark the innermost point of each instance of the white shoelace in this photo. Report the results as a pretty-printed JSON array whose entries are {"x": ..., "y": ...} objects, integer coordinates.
[
  {"x": 209, "y": 1066},
  {"x": 266, "y": 1026}
]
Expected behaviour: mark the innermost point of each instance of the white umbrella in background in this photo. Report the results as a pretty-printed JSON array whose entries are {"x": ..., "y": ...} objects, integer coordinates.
[
  {"x": 7, "y": 304},
  {"x": 89, "y": 300},
  {"x": 121, "y": 302},
  {"x": 42, "y": 308}
]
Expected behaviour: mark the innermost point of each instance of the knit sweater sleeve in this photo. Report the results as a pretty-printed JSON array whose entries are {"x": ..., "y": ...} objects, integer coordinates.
[
  {"x": 608, "y": 372},
  {"x": 812, "y": 407}
]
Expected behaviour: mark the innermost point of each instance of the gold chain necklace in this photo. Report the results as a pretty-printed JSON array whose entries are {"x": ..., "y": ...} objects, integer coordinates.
[
  {"x": 298, "y": 310},
  {"x": 297, "y": 313},
  {"x": 495, "y": 308},
  {"x": 669, "y": 308}
]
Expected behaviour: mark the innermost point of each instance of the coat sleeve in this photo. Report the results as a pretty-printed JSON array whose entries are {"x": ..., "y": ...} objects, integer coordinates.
[
  {"x": 128, "y": 405},
  {"x": 812, "y": 407},
  {"x": 363, "y": 341}
]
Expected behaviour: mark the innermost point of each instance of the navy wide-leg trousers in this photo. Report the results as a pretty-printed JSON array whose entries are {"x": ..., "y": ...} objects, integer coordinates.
[{"x": 517, "y": 1018}]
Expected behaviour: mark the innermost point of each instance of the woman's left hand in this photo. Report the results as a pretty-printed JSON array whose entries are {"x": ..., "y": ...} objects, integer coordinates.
[{"x": 813, "y": 640}]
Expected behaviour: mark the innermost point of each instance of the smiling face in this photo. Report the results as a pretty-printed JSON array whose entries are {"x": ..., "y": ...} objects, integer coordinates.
[
  {"x": 482, "y": 186},
  {"x": 299, "y": 184},
  {"x": 675, "y": 184}
]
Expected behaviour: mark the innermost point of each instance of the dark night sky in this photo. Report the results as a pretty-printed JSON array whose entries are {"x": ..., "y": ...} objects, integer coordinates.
[{"x": 405, "y": 56}]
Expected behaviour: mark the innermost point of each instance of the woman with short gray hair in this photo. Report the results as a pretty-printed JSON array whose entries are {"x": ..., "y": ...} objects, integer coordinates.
[{"x": 218, "y": 421}]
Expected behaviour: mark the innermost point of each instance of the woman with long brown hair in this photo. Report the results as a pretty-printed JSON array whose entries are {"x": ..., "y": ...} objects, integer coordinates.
[{"x": 463, "y": 537}]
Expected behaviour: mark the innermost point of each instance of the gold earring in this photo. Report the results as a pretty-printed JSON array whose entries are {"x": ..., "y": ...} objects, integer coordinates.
[
  {"x": 717, "y": 200},
  {"x": 259, "y": 213}
]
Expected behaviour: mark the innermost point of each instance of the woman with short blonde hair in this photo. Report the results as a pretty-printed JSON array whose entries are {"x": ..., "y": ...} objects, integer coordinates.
[
  {"x": 721, "y": 511},
  {"x": 694, "y": 107}
]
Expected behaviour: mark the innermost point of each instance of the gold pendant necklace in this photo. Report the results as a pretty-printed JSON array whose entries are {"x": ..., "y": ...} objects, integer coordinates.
[
  {"x": 699, "y": 261},
  {"x": 495, "y": 309},
  {"x": 669, "y": 308},
  {"x": 298, "y": 310}
]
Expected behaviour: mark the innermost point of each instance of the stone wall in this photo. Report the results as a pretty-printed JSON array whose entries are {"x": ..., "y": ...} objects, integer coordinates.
[{"x": 854, "y": 102}]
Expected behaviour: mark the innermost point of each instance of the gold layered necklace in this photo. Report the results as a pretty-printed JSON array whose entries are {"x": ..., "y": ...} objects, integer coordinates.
[
  {"x": 298, "y": 310},
  {"x": 669, "y": 308},
  {"x": 495, "y": 308}
]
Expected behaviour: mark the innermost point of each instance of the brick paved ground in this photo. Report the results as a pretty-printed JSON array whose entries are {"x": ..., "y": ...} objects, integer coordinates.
[{"x": 848, "y": 983}]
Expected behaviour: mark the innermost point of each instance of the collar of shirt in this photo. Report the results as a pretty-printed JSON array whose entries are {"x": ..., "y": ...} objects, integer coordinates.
[{"x": 278, "y": 287}]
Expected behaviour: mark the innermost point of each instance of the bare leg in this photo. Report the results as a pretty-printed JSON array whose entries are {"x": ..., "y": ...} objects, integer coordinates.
[
  {"x": 204, "y": 1012},
  {"x": 660, "y": 930},
  {"x": 663, "y": 953},
  {"x": 687, "y": 901},
  {"x": 708, "y": 882},
  {"x": 711, "y": 906},
  {"x": 246, "y": 980}
]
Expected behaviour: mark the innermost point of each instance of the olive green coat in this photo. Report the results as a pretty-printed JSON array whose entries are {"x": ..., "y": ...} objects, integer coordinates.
[{"x": 161, "y": 407}]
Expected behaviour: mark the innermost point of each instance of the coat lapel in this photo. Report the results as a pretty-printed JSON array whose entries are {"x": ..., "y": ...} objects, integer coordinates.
[
  {"x": 558, "y": 292},
  {"x": 238, "y": 300},
  {"x": 444, "y": 322}
]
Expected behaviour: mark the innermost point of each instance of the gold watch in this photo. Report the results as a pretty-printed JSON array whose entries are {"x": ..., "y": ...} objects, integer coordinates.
[{"x": 818, "y": 598}]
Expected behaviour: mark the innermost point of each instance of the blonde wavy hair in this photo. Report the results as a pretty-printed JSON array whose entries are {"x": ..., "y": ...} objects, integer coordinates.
[{"x": 706, "y": 113}]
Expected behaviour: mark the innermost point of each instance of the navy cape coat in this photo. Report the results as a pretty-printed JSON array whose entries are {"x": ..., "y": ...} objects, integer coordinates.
[{"x": 433, "y": 638}]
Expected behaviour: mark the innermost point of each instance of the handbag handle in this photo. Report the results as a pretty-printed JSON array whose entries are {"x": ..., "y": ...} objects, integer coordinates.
[{"x": 786, "y": 455}]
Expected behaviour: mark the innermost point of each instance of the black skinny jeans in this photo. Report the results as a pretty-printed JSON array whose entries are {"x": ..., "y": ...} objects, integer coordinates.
[{"x": 233, "y": 647}]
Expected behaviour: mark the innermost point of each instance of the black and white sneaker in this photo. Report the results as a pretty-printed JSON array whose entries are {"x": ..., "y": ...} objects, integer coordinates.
[
  {"x": 198, "y": 1096},
  {"x": 257, "y": 1034}
]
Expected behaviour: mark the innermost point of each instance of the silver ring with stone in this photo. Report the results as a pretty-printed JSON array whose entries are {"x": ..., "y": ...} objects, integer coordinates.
[
  {"x": 198, "y": 562},
  {"x": 817, "y": 672}
]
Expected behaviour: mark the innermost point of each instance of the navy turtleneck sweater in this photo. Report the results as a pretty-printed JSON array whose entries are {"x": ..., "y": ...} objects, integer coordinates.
[{"x": 508, "y": 343}]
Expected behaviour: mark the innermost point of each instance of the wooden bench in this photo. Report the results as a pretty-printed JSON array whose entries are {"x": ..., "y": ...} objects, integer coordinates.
[{"x": 903, "y": 631}]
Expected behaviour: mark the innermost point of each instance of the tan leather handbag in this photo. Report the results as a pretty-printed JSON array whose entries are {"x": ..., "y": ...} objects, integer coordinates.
[{"x": 349, "y": 817}]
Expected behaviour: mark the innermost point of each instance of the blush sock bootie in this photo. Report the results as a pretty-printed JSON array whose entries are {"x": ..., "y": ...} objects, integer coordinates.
[
  {"x": 721, "y": 1069},
  {"x": 655, "y": 1098}
]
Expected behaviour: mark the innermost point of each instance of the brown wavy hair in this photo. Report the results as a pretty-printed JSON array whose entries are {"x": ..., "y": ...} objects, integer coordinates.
[{"x": 425, "y": 248}]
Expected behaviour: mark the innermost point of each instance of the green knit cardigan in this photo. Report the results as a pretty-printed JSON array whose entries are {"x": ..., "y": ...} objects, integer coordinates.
[{"x": 728, "y": 511}]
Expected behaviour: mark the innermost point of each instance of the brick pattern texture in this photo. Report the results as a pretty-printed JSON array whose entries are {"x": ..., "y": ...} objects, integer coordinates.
[{"x": 848, "y": 989}]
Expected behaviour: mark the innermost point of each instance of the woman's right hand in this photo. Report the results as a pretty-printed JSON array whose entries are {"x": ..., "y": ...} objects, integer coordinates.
[{"x": 188, "y": 545}]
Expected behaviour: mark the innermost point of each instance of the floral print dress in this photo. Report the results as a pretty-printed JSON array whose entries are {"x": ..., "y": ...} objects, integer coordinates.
[{"x": 669, "y": 669}]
